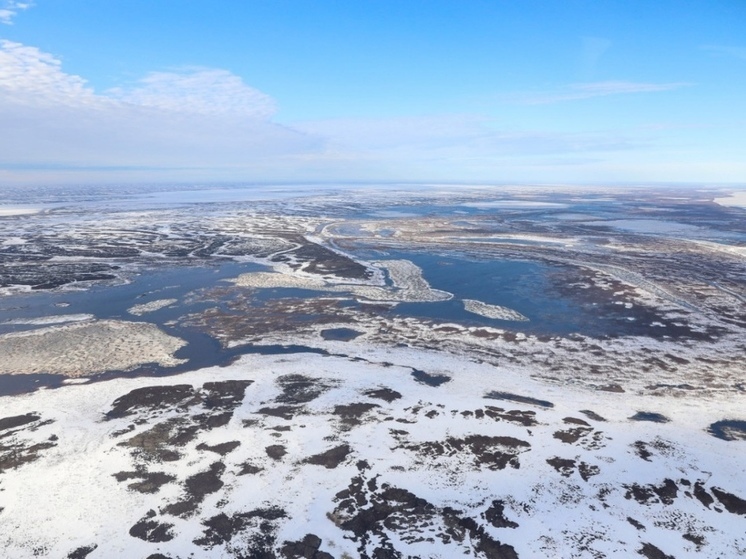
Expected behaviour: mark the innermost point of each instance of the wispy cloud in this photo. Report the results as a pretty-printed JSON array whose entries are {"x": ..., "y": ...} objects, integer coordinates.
[
  {"x": 167, "y": 120},
  {"x": 454, "y": 138},
  {"x": 720, "y": 50},
  {"x": 574, "y": 92},
  {"x": 593, "y": 50},
  {"x": 10, "y": 8}
]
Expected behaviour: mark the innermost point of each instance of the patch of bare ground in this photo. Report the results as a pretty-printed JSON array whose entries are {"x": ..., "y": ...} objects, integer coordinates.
[
  {"x": 196, "y": 488},
  {"x": 151, "y": 530},
  {"x": 652, "y": 552},
  {"x": 386, "y": 394},
  {"x": 331, "y": 458},
  {"x": 222, "y": 448},
  {"x": 307, "y": 548},
  {"x": 198, "y": 410},
  {"x": 732, "y": 503},
  {"x": 370, "y": 511},
  {"x": 82, "y": 552},
  {"x": 497, "y": 395},
  {"x": 566, "y": 467},
  {"x": 300, "y": 389},
  {"x": 148, "y": 482},
  {"x": 15, "y": 449},
  {"x": 276, "y": 451},
  {"x": 493, "y": 453},
  {"x": 256, "y": 527}
]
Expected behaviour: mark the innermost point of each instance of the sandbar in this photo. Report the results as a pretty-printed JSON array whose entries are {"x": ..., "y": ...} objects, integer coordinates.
[{"x": 85, "y": 348}]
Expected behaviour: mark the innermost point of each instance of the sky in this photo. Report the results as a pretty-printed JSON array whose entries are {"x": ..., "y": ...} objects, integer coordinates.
[{"x": 458, "y": 91}]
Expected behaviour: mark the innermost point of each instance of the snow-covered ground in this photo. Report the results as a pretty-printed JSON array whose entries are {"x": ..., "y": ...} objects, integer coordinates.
[
  {"x": 737, "y": 198},
  {"x": 365, "y": 456}
]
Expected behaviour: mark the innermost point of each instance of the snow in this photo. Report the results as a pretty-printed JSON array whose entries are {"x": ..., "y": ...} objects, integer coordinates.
[
  {"x": 84, "y": 504},
  {"x": 735, "y": 199}
]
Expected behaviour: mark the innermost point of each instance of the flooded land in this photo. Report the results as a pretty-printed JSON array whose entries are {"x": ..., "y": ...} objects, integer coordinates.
[{"x": 398, "y": 371}]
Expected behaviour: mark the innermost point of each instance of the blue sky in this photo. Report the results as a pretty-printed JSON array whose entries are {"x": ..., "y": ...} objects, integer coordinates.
[{"x": 565, "y": 91}]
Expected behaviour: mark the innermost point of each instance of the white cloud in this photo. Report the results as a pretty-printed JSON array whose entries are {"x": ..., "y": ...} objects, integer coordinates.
[
  {"x": 207, "y": 124},
  {"x": 10, "y": 8},
  {"x": 578, "y": 91},
  {"x": 31, "y": 77},
  {"x": 198, "y": 90},
  {"x": 720, "y": 50},
  {"x": 197, "y": 118}
]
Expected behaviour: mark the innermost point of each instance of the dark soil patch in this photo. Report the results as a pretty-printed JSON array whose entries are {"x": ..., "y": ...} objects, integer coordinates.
[
  {"x": 385, "y": 394},
  {"x": 283, "y": 412},
  {"x": 496, "y": 395},
  {"x": 652, "y": 552},
  {"x": 307, "y": 548},
  {"x": 571, "y": 436},
  {"x": 316, "y": 259},
  {"x": 15, "y": 455},
  {"x": 150, "y": 482},
  {"x": 592, "y": 415},
  {"x": 427, "y": 378},
  {"x": 351, "y": 413},
  {"x": 576, "y": 421},
  {"x": 222, "y": 448},
  {"x": 225, "y": 395},
  {"x": 611, "y": 388},
  {"x": 728, "y": 430},
  {"x": 159, "y": 443},
  {"x": 732, "y": 504},
  {"x": 331, "y": 458},
  {"x": 205, "y": 482},
  {"x": 647, "y": 494},
  {"x": 494, "y": 453},
  {"x": 298, "y": 389},
  {"x": 495, "y": 515},
  {"x": 248, "y": 468},
  {"x": 649, "y": 416},
  {"x": 276, "y": 451},
  {"x": 697, "y": 540},
  {"x": 377, "y": 517},
  {"x": 701, "y": 494},
  {"x": 151, "y": 530},
  {"x": 18, "y": 421},
  {"x": 197, "y": 487},
  {"x": 587, "y": 471},
  {"x": 564, "y": 466},
  {"x": 151, "y": 398},
  {"x": 81, "y": 552},
  {"x": 641, "y": 449},
  {"x": 221, "y": 529},
  {"x": 527, "y": 418},
  {"x": 635, "y": 523}
]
